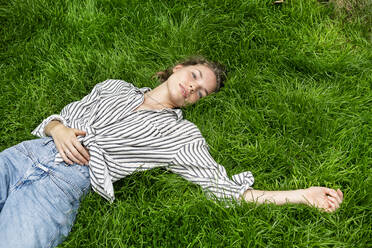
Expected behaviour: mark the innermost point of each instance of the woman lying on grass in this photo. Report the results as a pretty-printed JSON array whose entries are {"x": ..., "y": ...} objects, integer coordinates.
[{"x": 116, "y": 130}]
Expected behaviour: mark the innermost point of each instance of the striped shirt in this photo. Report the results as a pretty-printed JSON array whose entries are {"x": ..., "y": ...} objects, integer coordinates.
[{"x": 122, "y": 141}]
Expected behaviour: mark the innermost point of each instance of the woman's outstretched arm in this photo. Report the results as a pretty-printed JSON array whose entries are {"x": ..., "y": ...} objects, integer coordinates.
[
  {"x": 323, "y": 198},
  {"x": 194, "y": 163}
]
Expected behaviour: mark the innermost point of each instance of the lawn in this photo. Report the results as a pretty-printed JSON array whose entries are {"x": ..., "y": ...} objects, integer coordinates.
[{"x": 296, "y": 110}]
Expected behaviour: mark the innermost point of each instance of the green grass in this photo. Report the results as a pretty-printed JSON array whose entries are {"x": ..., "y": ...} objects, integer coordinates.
[{"x": 296, "y": 111}]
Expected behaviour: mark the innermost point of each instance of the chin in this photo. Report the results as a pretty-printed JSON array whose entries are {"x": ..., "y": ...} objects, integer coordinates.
[{"x": 186, "y": 104}]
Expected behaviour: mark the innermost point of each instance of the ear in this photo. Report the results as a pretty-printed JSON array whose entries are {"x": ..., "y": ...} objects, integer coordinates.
[{"x": 177, "y": 67}]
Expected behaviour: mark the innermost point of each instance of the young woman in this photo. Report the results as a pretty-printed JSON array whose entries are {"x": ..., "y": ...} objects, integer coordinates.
[{"x": 114, "y": 131}]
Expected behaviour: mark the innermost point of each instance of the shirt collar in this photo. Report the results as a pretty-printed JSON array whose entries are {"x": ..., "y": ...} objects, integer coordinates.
[{"x": 176, "y": 112}]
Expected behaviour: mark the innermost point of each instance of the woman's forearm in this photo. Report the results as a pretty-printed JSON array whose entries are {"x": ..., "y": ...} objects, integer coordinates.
[
  {"x": 323, "y": 198},
  {"x": 276, "y": 197}
]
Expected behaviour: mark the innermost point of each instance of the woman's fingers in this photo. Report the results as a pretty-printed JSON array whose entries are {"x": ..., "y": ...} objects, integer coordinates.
[
  {"x": 63, "y": 155},
  {"x": 333, "y": 202},
  {"x": 335, "y": 198},
  {"x": 334, "y": 194},
  {"x": 75, "y": 155},
  {"x": 339, "y": 192},
  {"x": 79, "y": 132},
  {"x": 331, "y": 192},
  {"x": 329, "y": 206},
  {"x": 81, "y": 149},
  {"x": 330, "y": 209},
  {"x": 70, "y": 155}
]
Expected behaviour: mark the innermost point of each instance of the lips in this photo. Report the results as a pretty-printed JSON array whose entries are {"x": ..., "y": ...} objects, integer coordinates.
[{"x": 185, "y": 93}]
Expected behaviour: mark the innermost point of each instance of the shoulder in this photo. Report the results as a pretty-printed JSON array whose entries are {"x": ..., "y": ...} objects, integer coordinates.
[
  {"x": 189, "y": 129},
  {"x": 179, "y": 130},
  {"x": 193, "y": 139},
  {"x": 115, "y": 82},
  {"x": 112, "y": 86}
]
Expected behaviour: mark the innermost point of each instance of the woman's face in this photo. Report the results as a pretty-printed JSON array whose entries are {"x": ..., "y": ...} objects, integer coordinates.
[{"x": 188, "y": 84}]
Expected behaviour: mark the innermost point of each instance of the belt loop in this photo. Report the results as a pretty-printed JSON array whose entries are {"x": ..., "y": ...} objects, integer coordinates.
[
  {"x": 47, "y": 140},
  {"x": 42, "y": 167}
]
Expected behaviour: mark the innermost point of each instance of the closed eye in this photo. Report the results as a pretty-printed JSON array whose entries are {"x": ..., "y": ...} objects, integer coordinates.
[
  {"x": 200, "y": 94},
  {"x": 194, "y": 75}
]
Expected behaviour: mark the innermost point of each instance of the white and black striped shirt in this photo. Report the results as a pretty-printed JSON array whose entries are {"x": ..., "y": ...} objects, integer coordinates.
[{"x": 122, "y": 141}]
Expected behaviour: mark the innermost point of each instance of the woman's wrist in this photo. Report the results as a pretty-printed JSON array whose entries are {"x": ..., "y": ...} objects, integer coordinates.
[
  {"x": 52, "y": 127},
  {"x": 301, "y": 196}
]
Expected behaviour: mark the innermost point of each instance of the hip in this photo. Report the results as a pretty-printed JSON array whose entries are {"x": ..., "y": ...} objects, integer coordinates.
[{"x": 34, "y": 159}]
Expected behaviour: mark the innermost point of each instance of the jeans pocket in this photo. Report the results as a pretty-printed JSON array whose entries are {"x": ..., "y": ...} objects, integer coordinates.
[
  {"x": 39, "y": 150},
  {"x": 49, "y": 144},
  {"x": 21, "y": 149}
]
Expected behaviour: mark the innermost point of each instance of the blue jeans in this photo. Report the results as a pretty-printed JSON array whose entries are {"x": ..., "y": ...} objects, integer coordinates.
[{"x": 38, "y": 199}]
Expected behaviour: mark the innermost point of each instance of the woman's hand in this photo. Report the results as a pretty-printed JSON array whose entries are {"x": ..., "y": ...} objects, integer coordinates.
[
  {"x": 323, "y": 198},
  {"x": 67, "y": 144}
]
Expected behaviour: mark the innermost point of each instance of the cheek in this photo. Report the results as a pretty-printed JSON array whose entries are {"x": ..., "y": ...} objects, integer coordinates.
[{"x": 176, "y": 94}]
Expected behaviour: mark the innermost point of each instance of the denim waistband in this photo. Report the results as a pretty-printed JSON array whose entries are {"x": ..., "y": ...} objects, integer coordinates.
[{"x": 43, "y": 151}]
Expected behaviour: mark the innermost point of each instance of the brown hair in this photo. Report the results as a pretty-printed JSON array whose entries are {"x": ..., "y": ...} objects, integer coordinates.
[{"x": 218, "y": 69}]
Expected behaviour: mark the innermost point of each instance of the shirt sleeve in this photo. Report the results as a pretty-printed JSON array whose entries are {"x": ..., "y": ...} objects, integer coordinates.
[
  {"x": 194, "y": 163},
  {"x": 78, "y": 109}
]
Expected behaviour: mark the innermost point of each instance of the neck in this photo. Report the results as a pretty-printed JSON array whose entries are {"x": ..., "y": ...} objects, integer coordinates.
[{"x": 158, "y": 98}]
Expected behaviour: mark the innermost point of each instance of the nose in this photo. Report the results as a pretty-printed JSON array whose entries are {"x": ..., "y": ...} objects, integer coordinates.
[{"x": 192, "y": 86}]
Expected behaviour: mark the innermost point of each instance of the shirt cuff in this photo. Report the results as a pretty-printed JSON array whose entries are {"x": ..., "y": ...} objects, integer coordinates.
[
  {"x": 40, "y": 130},
  {"x": 245, "y": 180}
]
